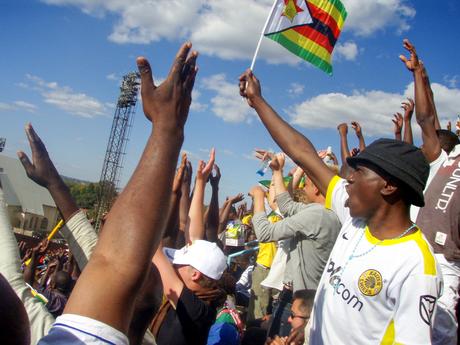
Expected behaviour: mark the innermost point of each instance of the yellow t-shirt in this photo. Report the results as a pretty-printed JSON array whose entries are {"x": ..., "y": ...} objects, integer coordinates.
[{"x": 267, "y": 251}]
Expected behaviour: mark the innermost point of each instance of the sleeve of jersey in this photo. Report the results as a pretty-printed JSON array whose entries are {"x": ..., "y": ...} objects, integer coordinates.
[
  {"x": 335, "y": 198},
  {"x": 414, "y": 310}
]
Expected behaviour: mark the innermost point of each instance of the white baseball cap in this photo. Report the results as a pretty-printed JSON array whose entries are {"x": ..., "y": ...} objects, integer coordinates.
[{"x": 202, "y": 255}]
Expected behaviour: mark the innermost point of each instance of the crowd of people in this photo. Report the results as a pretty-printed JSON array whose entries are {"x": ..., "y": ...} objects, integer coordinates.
[{"x": 362, "y": 252}]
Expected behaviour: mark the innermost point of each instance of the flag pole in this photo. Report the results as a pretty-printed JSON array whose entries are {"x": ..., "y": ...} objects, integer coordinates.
[{"x": 261, "y": 36}]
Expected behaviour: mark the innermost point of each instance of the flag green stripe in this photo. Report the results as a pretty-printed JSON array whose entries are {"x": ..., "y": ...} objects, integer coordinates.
[
  {"x": 339, "y": 6},
  {"x": 301, "y": 52}
]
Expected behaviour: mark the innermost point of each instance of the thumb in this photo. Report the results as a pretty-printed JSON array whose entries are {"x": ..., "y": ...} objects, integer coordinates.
[
  {"x": 145, "y": 71},
  {"x": 28, "y": 167},
  {"x": 403, "y": 58}
]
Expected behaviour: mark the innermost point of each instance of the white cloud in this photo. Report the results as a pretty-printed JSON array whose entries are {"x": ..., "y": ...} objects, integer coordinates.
[
  {"x": 64, "y": 98},
  {"x": 373, "y": 109},
  {"x": 196, "y": 105},
  {"x": 112, "y": 76},
  {"x": 227, "y": 104},
  {"x": 18, "y": 106},
  {"x": 25, "y": 106},
  {"x": 230, "y": 29},
  {"x": 348, "y": 51},
  {"x": 6, "y": 106},
  {"x": 296, "y": 89},
  {"x": 451, "y": 81},
  {"x": 367, "y": 17}
]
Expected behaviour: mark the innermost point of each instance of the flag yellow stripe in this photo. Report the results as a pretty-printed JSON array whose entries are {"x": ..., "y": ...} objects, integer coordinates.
[
  {"x": 332, "y": 10},
  {"x": 307, "y": 44}
]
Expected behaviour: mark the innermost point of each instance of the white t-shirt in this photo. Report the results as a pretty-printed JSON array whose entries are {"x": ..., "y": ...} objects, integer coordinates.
[{"x": 385, "y": 294}]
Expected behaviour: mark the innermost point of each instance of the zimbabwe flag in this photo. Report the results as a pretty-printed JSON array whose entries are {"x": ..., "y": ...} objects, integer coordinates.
[{"x": 307, "y": 28}]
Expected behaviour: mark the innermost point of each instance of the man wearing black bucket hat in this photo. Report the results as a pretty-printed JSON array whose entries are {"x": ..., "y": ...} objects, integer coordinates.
[{"x": 381, "y": 282}]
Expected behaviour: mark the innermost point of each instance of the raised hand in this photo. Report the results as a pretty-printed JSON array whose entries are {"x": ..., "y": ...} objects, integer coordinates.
[
  {"x": 277, "y": 162},
  {"x": 343, "y": 129},
  {"x": 41, "y": 247},
  {"x": 41, "y": 170},
  {"x": 398, "y": 124},
  {"x": 204, "y": 170},
  {"x": 408, "y": 107},
  {"x": 413, "y": 62},
  {"x": 249, "y": 87},
  {"x": 179, "y": 177},
  {"x": 167, "y": 105},
  {"x": 357, "y": 128},
  {"x": 354, "y": 151},
  {"x": 214, "y": 179},
  {"x": 449, "y": 126},
  {"x": 237, "y": 198},
  {"x": 256, "y": 191}
]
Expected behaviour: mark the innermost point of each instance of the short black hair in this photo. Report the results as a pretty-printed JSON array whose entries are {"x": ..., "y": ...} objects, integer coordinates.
[
  {"x": 306, "y": 297},
  {"x": 63, "y": 282},
  {"x": 447, "y": 139}
]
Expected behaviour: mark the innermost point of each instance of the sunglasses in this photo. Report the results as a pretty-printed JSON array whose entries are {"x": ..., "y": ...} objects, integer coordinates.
[{"x": 293, "y": 316}]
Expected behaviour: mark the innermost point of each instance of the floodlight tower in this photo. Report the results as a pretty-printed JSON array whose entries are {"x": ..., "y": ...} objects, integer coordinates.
[
  {"x": 2, "y": 144},
  {"x": 116, "y": 147}
]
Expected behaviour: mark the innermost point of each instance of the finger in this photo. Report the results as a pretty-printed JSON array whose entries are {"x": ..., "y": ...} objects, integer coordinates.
[
  {"x": 189, "y": 65},
  {"x": 28, "y": 167},
  {"x": 179, "y": 62},
  {"x": 147, "y": 83},
  {"x": 36, "y": 144},
  {"x": 190, "y": 80},
  {"x": 403, "y": 58}
]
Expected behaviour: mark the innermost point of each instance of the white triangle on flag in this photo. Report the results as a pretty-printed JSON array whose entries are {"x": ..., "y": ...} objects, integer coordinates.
[{"x": 279, "y": 21}]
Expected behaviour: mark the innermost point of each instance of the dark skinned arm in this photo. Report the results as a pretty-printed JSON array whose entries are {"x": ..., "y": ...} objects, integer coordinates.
[
  {"x": 398, "y": 125},
  {"x": 212, "y": 219},
  {"x": 408, "y": 107},
  {"x": 43, "y": 172},
  {"x": 424, "y": 108},
  {"x": 129, "y": 229},
  {"x": 294, "y": 144},
  {"x": 170, "y": 235},
  {"x": 359, "y": 134}
]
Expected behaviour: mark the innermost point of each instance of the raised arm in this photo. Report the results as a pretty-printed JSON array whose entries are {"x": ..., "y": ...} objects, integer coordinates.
[
  {"x": 294, "y": 144},
  {"x": 426, "y": 79},
  {"x": 398, "y": 125},
  {"x": 344, "y": 149},
  {"x": 424, "y": 108},
  {"x": 359, "y": 133},
  {"x": 195, "y": 230},
  {"x": 408, "y": 107},
  {"x": 136, "y": 222},
  {"x": 212, "y": 219},
  {"x": 170, "y": 235},
  {"x": 226, "y": 211},
  {"x": 43, "y": 172}
]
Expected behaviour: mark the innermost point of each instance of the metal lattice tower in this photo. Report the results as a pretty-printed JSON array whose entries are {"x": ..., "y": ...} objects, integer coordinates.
[{"x": 116, "y": 147}]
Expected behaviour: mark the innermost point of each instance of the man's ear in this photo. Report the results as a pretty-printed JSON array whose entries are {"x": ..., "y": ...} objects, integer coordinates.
[
  {"x": 196, "y": 275},
  {"x": 389, "y": 189}
]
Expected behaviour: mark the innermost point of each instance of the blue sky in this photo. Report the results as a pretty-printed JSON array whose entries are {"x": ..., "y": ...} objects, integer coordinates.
[{"x": 61, "y": 62}]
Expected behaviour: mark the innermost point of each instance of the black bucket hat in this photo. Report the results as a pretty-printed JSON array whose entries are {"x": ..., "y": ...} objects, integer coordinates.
[{"x": 401, "y": 161}]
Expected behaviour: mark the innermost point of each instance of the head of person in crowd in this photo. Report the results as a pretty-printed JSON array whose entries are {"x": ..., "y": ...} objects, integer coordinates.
[
  {"x": 387, "y": 173},
  {"x": 447, "y": 139},
  {"x": 312, "y": 192},
  {"x": 13, "y": 317},
  {"x": 199, "y": 265},
  {"x": 302, "y": 304},
  {"x": 299, "y": 195},
  {"x": 62, "y": 282}
]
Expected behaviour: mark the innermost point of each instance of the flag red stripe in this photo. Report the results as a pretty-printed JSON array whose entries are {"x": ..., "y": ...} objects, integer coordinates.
[
  {"x": 325, "y": 18},
  {"x": 315, "y": 36}
]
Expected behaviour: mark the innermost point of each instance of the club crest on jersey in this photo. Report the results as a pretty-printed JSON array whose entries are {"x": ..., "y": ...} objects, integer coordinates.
[
  {"x": 370, "y": 282},
  {"x": 426, "y": 308}
]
